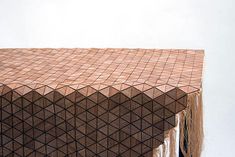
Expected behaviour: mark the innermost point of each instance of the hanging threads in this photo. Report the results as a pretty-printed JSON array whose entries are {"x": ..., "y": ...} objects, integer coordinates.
[
  {"x": 191, "y": 134},
  {"x": 191, "y": 126}
]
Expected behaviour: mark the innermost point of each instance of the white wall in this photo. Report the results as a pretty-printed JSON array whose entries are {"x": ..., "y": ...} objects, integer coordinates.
[{"x": 204, "y": 24}]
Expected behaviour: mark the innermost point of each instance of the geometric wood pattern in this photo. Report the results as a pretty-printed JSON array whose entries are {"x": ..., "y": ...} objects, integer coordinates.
[
  {"x": 87, "y": 125},
  {"x": 118, "y": 107}
]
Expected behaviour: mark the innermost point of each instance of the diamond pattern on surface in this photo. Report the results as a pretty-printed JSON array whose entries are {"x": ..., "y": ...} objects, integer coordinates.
[
  {"x": 129, "y": 123},
  {"x": 92, "y": 102}
]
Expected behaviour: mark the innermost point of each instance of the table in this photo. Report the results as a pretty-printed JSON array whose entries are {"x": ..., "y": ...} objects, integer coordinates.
[{"x": 100, "y": 101}]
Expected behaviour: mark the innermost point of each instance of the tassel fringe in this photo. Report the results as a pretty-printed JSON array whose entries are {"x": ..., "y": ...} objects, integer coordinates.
[
  {"x": 190, "y": 131},
  {"x": 191, "y": 126}
]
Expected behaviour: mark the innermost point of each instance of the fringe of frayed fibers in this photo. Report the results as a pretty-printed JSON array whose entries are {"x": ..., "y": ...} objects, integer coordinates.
[{"x": 189, "y": 130}]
